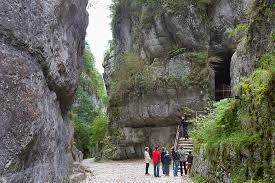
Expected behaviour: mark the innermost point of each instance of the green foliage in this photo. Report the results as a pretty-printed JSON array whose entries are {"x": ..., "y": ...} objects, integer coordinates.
[
  {"x": 198, "y": 179},
  {"x": 86, "y": 114},
  {"x": 201, "y": 68},
  {"x": 108, "y": 148},
  {"x": 242, "y": 125},
  {"x": 115, "y": 136},
  {"x": 91, "y": 80},
  {"x": 131, "y": 76},
  {"x": 116, "y": 133},
  {"x": 148, "y": 15},
  {"x": 176, "y": 52},
  {"x": 239, "y": 31},
  {"x": 98, "y": 129},
  {"x": 179, "y": 34},
  {"x": 257, "y": 86},
  {"x": 199, "y": 57},
  {"x": 175, "y": 5},
  {"x": 267, "y": 62},
  {"x": 218, "y": 125}
]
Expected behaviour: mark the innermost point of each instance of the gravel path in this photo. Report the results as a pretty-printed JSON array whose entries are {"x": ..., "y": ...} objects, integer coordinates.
[{"x": 127, "y": 172}]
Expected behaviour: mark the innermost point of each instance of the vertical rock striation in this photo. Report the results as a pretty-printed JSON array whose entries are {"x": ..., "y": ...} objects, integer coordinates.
[{"x": 40, "y": 52}]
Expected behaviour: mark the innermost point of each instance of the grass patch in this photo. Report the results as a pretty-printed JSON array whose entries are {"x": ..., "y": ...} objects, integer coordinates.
[{"x": 198, "y": 179}]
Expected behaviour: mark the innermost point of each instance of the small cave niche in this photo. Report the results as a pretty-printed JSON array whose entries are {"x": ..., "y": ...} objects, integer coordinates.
[{"x": 222, "y": 75}]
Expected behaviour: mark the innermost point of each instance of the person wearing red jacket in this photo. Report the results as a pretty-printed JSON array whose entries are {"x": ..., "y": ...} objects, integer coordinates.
[{"x": 156, "y": 161}]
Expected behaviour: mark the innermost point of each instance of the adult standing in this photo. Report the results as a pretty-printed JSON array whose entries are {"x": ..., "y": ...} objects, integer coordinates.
[
  {"x": 156, "y": 161},
  {"x": 147, "y": 160},
  {"x": 166, "y": 162},
  {"x": 163, "y": 152},
  {"x": 175, "y": 156},
  {"x": 184, "y": 126},
  {"x": 183, "y": 156}
]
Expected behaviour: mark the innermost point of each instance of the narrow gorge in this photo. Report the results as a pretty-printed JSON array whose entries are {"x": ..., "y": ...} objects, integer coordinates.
[{"x": 212, "y": 61}]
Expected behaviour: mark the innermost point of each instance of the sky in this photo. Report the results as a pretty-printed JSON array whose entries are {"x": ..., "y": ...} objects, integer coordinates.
[{"x": 99, "y": 30}]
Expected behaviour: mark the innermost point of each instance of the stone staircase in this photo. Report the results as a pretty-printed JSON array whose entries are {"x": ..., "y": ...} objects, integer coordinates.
[{"x": 187, "y": 144}]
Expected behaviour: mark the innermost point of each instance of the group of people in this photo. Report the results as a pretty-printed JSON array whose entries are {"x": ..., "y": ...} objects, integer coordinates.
[{"x": 181, "y": 159}]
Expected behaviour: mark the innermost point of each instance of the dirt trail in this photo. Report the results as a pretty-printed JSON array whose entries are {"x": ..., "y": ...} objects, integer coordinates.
[{"x": 127, "y": 172}]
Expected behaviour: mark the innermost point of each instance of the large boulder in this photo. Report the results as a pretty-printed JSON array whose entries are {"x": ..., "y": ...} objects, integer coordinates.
[{"x": 40, "y": 52}]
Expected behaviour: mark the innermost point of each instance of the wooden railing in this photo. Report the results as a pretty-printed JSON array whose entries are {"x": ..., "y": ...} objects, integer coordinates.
[
  {"x": 223, "y": 92},
  {"x": 177, "y": 138}
]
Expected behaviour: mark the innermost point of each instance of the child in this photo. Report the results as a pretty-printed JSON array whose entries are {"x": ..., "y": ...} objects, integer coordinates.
[{"x": 189, "y": 162}]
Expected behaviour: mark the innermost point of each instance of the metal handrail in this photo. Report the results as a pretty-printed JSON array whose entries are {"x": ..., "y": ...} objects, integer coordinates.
[{"x": 177, "y": 138}]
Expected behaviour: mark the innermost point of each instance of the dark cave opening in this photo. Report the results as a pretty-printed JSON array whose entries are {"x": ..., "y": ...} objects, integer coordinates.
[{"x": 222, "y": 75}]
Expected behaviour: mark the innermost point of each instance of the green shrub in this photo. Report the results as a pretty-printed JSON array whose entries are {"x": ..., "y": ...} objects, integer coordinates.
[
  {"x": 218, "y": 125},
  {"x": 199, "y": 57},
  {"x": 98, "y": 129},
  {"x": 131, "y": 77},
  {"x": 239, "y": 31},
  {"x": 201, "y": 68},
  {"x": 267, "y": 61},
  {"x": 176, "y": 52},
  {"x": 198, "y": 179},
  {"x": 86, "y": 114}
]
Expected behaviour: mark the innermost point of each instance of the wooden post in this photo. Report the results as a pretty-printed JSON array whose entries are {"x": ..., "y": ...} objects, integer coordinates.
[{"x": 223, "y": 91}]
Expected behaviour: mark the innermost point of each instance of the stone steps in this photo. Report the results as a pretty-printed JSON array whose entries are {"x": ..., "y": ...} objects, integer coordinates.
[{"x": 186, "y": 143}]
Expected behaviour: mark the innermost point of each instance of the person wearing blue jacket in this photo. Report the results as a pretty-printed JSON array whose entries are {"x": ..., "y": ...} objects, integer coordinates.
[{"x": 166, "y": 162}]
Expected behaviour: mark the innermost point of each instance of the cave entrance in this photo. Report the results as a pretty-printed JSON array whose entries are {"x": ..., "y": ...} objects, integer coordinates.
[{"x": 222, "y": 75}]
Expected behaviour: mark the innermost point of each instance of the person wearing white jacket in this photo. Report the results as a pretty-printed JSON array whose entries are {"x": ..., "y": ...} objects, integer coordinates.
[{"x": 147, "y": 160}]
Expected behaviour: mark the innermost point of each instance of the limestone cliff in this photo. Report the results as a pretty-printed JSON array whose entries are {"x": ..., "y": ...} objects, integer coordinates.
[
  {"x": 250, "y": 144},
  {"x": 165, "y": 50},
  {"x": 40, "y": 52}
]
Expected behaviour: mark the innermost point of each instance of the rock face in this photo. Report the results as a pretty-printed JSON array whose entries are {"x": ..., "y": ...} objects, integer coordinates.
[
  {"x": 40, "y": 53},
  {"x": 256, "y": 43},
  {"x": 175, "y": 45}
]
